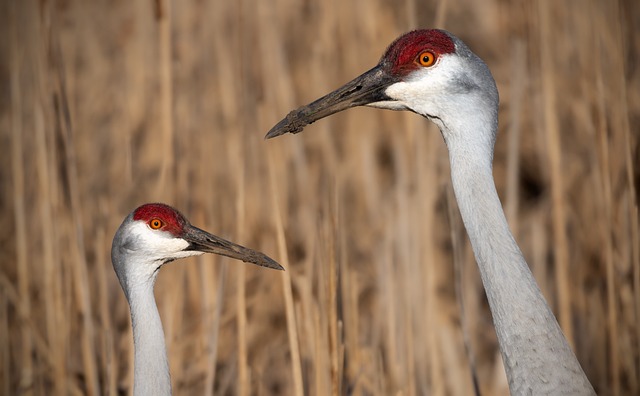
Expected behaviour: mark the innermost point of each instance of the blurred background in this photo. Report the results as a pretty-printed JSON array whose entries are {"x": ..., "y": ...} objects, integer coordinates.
[{"x": 106, "y": 105}]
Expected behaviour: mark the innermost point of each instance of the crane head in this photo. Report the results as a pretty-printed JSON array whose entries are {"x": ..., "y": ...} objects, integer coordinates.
[
  {"x": 429, "y": 71},
  {"x": 155, "y": 234}
]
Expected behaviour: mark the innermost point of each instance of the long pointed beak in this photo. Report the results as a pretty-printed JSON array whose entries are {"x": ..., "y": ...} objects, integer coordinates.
[
  {"x": 203, "y": 241},
  {"x": 366, "y": 89}
]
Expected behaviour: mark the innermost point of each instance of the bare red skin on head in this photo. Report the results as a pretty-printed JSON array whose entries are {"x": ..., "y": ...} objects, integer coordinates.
[
  {"x": 172, "y": 220},
  {"x": 403, "y": 52}
]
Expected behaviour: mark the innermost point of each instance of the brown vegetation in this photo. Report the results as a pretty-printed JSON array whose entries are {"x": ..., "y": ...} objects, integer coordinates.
[{"x": 107, "y": 105}]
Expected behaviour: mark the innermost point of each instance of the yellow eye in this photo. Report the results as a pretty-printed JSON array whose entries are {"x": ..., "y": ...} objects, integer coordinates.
[
  {"x": 155, "y": 224},
  {"x": 427, "y": 58}
]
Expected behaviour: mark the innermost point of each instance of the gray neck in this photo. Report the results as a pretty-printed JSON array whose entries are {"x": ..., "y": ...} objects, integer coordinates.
[
  {"x": 536, "y": 355},
  {"x": 151, "y": 367}
]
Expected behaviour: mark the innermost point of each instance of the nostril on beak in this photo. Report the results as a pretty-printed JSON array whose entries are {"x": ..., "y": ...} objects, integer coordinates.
[{"x": 351, "y": 92}]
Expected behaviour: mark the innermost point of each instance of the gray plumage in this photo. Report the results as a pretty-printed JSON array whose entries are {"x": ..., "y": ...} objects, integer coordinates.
[{"x": 433, "y": 73}]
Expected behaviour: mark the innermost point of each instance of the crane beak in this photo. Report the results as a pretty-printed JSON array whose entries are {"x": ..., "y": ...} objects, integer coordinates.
[
  {"x": 202, "y": 241},
  {"x": 366, "y": 89}
]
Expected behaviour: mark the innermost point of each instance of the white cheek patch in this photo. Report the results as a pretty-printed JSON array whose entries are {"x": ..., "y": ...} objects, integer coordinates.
[
  {"x": 425, "y": 89},
  {"x": 157, "y": 244}
]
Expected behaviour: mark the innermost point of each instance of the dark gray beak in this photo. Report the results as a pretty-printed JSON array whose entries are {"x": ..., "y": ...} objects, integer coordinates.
[
  {"x": 202, "y": 241},
  {"x": 365, "y": 89}
]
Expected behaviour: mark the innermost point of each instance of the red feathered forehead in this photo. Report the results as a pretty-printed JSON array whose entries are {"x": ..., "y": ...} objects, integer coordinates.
[
  {"x": 404, "y": 50},
  {"x": 173, "y": 221}
]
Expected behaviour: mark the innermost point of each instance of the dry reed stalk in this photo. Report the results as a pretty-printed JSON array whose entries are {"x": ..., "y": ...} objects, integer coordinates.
[
  {"x": 311, "y": 337},
  {"x": 50, "y": 271},
  {"x": 405, "y": 265},
  {"x": 5, "y": 372},
  {"x": 244, "y": 387},
  {"x": 79, "y": 264},
  {"x": 348, "y": 289},
  {"x": 439, "y": 20},
  {"x": 19, "y": 207},
  {"x": 606, "y": 204},
  {"x": 276, "y": 65},
  {"x": 516, "y": 85},
  {"x": 41, "y": 347},
  {"x": 436, "y": 383},
  {"x": 632, "y": 236},
  {"x": 349, "y": 292},
  {"x": 332, "y": 303},
  {"x": 163, "y": 16},
  {"x": 632, "y": 210},
  {"x": 106, "y": 347},
  {"x": 239, "y": 166},
  {"x": 319, "y": 361},
  {"x": 211, "y": 301},
  {"x": 428, "y": 156},
  {"x": 292, "y": 331},
  {"x": 552, "y": 135},
  {"x": 539, "y": 247},
  {"x": 386, "y": 283},
  {"x": 411, "y": 11}
]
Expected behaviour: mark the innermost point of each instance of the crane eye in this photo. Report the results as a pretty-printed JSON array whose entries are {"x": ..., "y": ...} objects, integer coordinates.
[
  {"x": 426, "y": 58},
  {"x": 155, "y": 224}
]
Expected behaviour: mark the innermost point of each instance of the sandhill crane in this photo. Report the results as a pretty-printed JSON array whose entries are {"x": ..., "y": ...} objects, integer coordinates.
[
  {"x": 149, "y": 237},
  {"x": 434, "y": 74}
]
